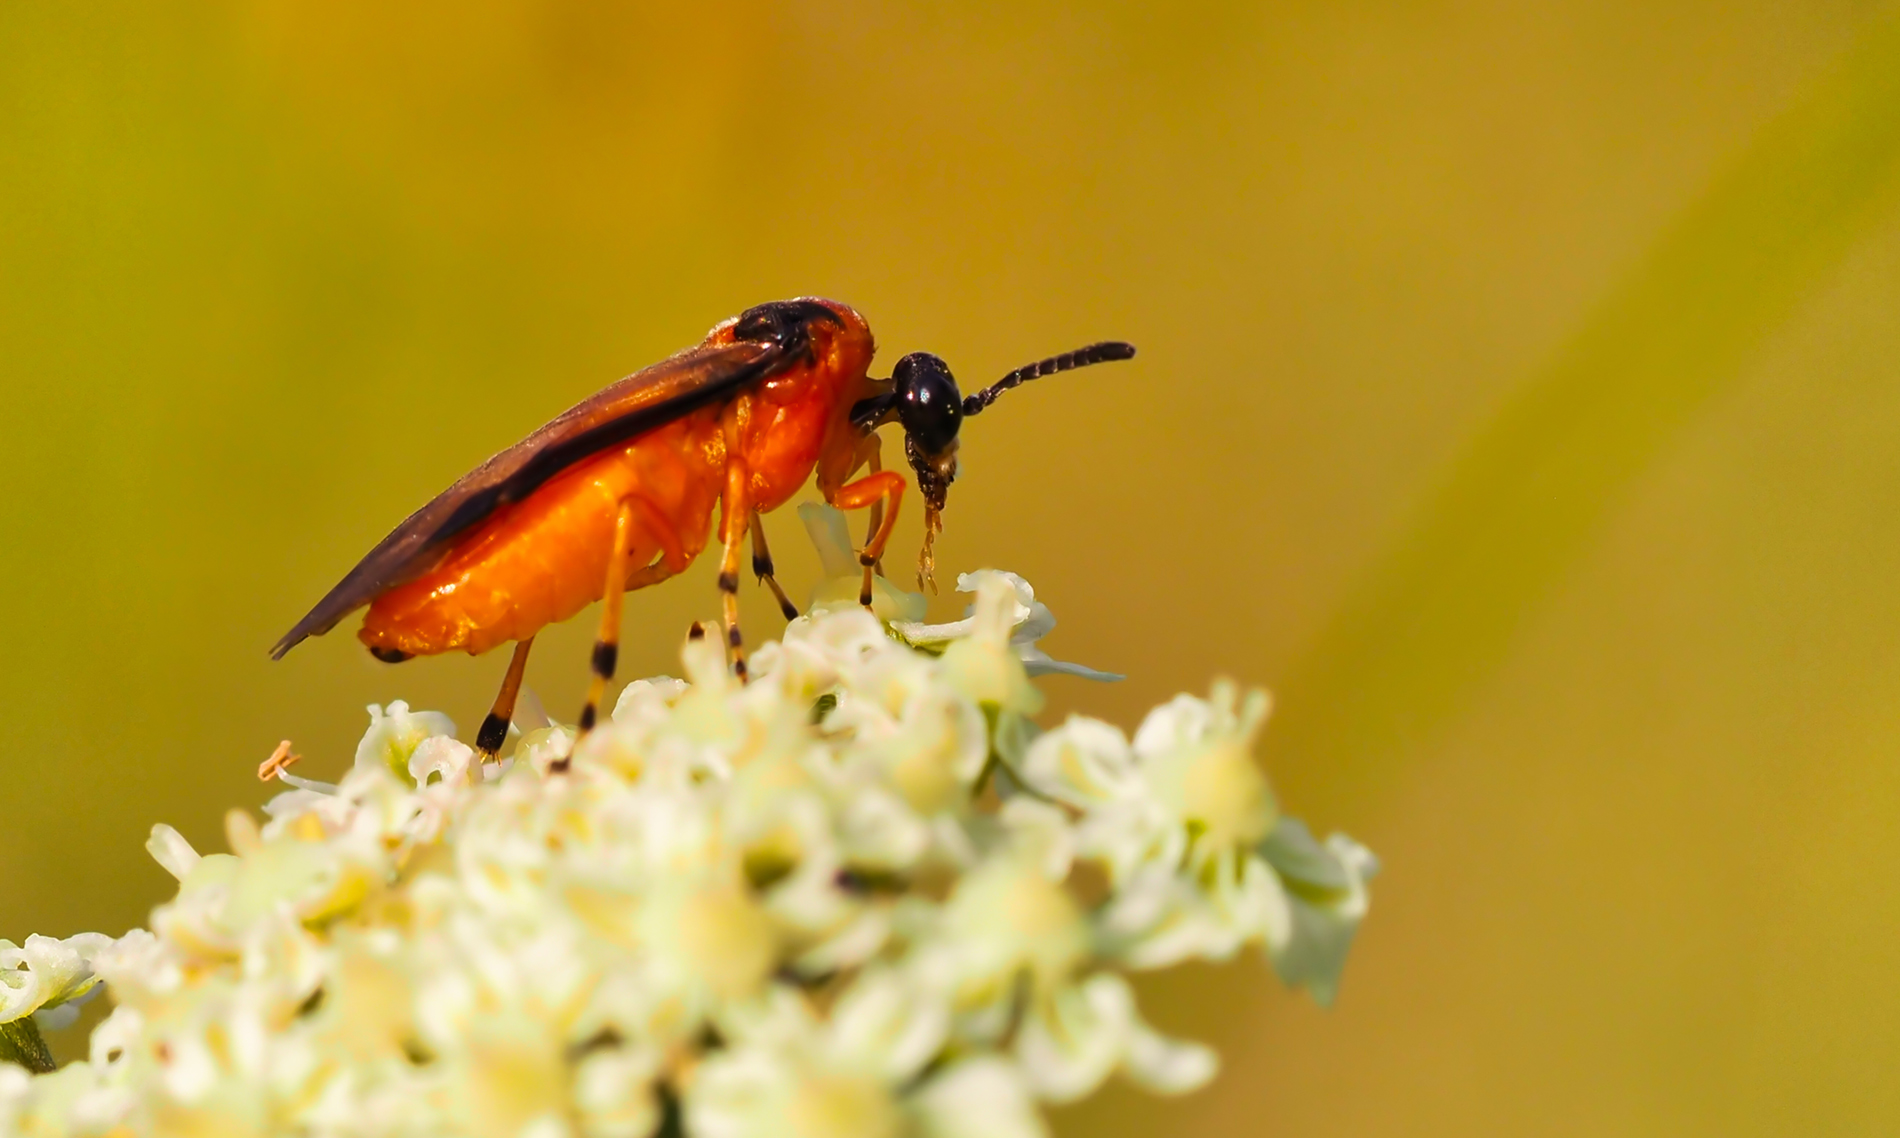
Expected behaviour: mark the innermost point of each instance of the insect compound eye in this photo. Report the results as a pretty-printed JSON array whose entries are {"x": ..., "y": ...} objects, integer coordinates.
[{"x": 928, "y": 403}]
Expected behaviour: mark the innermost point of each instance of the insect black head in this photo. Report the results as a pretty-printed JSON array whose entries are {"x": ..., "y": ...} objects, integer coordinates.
[
  {"x": 786, "y": 323},
  {"x": 389, "y": 655},
  {"x": 927, "y": 401}
]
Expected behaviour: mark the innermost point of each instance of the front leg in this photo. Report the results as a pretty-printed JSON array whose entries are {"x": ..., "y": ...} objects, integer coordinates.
[
  {"x": 874, "y": 458},
  {"x": 883, "y": 491}
]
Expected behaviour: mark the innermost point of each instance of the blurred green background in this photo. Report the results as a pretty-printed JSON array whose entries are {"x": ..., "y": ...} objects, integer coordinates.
[{"x": 1517, "y": 399}]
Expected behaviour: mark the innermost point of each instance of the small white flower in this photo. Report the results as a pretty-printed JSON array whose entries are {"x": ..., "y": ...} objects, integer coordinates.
[
  {"x": 1186, "y": 794},
  {"x": 1077, "y": 1036},
  {"x": 440, "y": 757},
  {"x": 708, "y": 938},
  {"x": 983, "y": 664},
  {"x": 140, "y": 968},
  {"x": 1005, "y": 922},
  {"x": 1202, "y": 863},
  {"x": 222, "y": 896},
  {"x": 648, "y": 702},
  {"x": 788, "y": 1073},
  {"x": 1085, "y": 763},
  {"x": 1197, "y": 756},
  {"x": 1030, "y": 621},
  {"x": 926, "y": 741},
  {"x": 505, "y": 1077},
  {"x": 46, "y": 975},
  {"x": 395, "y": 733},
  {"x": 981, "y": 1097},
  {"x": 844, "y": 577},
  {"x": 615, "y": 1094},
  {"x": 821, "y": 651},
  {"x": 541, "y": 748},
  {"x": 1160, "y": 918}
]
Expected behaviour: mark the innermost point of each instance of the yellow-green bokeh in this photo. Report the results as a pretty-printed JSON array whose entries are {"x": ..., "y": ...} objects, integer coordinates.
[{"x": 1517, "y": 396}]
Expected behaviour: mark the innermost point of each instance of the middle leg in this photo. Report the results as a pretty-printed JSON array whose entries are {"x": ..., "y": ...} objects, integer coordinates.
[{"x": 762, "y": 565}]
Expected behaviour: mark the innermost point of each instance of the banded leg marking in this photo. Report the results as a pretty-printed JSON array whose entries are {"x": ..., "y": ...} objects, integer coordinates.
[
  {"x": 606, "y": 655},
  {"x": 607, "y": 642},
  {"x": 494, "y": 730},
  {"x": 762, "y": 566},
  {"x": 735, "y": 510}
]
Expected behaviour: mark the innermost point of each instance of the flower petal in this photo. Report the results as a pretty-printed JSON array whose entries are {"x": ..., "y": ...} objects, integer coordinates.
[
  {"x": 46, "y": 973},
  {"x": 982, "y": 1097},
  {"x": 1168, "y": 1066},
  {"x": 395, "y": 732},
  {"x": 1326, "y": 885},
  {"x": 1072, "y": 1041},
  {"x": 1084, "y": 762},
  {"x": 171, "y": 851}
]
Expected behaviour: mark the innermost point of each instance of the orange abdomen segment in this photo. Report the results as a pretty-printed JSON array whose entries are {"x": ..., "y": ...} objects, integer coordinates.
[{"x": 545, "y": 558}]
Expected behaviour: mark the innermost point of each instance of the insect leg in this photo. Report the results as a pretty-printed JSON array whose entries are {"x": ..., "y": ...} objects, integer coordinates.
[
  {"x": 884, "y": 488},
  {"x": 607, "y": 647},
  {"x": 874, "y": 457},
  {"x": 634, "y": 511},
  {"x": 762, "y": 565},
  {"x": 734, "y": 510},
  {"x": 607, "y": 644},
  {"x": 494, "y": 730}
]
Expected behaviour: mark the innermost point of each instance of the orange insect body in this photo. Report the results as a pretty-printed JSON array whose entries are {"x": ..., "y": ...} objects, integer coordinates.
[
  {"x": 618, "y": 492},
  {"x": 541, "y": 560}
]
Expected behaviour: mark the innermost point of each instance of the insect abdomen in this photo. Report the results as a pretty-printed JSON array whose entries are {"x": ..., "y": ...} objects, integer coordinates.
[{"x": 542, "y": 560}]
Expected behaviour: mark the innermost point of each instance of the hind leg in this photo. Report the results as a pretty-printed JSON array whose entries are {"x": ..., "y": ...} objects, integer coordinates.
[
  {"x": 494, "y": 730},
  {"x": 735, "y": 512}
]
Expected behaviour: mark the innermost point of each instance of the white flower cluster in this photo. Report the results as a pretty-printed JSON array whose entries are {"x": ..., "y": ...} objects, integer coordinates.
[{"x": 858, "y": 897}]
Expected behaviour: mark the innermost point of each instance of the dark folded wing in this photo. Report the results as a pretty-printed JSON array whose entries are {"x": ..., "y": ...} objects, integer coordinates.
[{"x": 644, "y": 400}]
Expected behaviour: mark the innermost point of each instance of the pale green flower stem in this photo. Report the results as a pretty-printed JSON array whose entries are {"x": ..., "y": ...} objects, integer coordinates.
[{"x": 20, "y": 1042}]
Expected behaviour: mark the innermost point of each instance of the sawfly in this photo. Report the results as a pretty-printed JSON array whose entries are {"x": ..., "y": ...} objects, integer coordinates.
[{"x": 618, "y": 492}]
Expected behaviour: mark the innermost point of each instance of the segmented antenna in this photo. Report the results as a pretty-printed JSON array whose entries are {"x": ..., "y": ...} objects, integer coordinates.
[{"x": 1068, "y": 361}]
